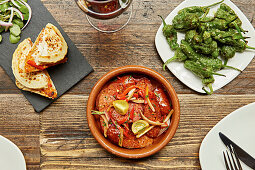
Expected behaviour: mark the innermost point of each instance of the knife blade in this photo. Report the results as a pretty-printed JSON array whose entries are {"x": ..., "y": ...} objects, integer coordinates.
[{"x": 242, "y": 155}]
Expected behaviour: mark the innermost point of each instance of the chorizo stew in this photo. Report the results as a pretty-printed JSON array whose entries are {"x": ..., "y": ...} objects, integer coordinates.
[{"x": 132, "y": 111}]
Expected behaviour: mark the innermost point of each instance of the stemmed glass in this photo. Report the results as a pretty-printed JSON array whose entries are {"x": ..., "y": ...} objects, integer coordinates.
[{"x": 107, "y": 15}]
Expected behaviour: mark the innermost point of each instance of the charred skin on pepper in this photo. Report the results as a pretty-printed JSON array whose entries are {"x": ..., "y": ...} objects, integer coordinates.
[{"x": 171, "y": 34}]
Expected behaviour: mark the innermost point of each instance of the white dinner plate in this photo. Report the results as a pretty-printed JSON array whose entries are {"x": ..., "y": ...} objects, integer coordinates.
[
  {"x": 11, "y": 158},
  {"x": 239, "y": 126},
  {"x": 240, "y": 60}
]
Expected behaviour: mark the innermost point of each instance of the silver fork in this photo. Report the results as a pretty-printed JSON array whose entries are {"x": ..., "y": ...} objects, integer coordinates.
[{"x": 232, "y": 162}]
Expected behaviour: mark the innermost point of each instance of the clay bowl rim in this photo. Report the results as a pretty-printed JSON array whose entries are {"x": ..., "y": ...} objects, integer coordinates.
[{"x": 133, "y": 153}]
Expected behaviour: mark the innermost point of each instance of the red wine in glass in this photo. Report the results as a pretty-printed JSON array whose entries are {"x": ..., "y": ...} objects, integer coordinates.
[{"x": 104, "y": 10}]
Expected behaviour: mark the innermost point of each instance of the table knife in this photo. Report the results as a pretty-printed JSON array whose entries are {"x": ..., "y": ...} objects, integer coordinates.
[{"x": 242, "y": 155}]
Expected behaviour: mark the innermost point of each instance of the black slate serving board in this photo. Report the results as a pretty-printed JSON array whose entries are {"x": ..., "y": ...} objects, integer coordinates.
[{"x": 64, "y": 75}]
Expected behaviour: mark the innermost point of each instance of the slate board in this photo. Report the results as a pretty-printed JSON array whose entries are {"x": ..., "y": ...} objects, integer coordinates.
[{"x": 64, "y": 75}]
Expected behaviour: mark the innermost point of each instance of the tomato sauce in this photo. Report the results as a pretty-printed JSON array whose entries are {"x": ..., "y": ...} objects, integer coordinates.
[{"x": 153, "y": 107}]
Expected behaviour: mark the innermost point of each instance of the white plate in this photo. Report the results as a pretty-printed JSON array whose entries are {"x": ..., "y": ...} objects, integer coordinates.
[
  {"x": 11, "y": 158},
  {"x": 240, "y": 60},
  {"x": 239, "y": 126}
]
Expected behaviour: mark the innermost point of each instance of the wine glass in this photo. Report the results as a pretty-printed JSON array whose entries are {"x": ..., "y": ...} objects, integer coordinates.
[{"x": 107, "y": 15}]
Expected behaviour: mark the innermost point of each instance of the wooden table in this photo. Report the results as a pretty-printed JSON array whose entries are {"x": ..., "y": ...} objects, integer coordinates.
[{"x": 59, "y": 136}]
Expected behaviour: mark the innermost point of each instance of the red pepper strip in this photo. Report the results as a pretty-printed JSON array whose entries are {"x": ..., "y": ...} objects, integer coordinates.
[
  {"x": 141, "y": 93},
  {"x": 132, "y": 113},
  {"x": 123, "y": 120},
  {"x": 123, "y": 95},
  {"x": 122, "y": 79},
  {"x": 32, "y": 63},
  {"x": 152, "y": 95},
  {"x": 126, "y": 131},
  {"x": 135, "y": 95}
]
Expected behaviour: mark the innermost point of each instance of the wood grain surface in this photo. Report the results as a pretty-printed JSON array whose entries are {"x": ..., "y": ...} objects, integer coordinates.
[{"x": 59, "y": 137}]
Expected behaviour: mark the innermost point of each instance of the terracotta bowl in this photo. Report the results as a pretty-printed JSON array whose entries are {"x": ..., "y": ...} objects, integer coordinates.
[{"x": 161, "y": 141}]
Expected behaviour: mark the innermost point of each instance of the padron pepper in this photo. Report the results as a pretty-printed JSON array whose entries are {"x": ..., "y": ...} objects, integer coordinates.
[
  {"x": 202, "y": 44},
  {"x": 185, "y": 21},
  {"x": 224, "y": 13},
  {"x": 206, "y": 19},
  {"x": 240, "y": 46},
  {"x": 228, "y": 14},
  {"x": 188, "y": 51},
  {"x": 208, "y": 82},
  {"x": 198, "y": 10},
  {"x": 214, "y": 63},
  {"x": 188, "y": 18},
  {"x": 207, "y": 49},
  {"x": 217, "y": 23},
  {"x": 227, "y": 52},
  {"x": 199, "y": 69},
  {"x": 190, "y": 35},
  {"x": 171, "y": 35},
  {"x": 206, "y": 74},
  {"x": 178, "y": 55},
  {"x": 229, "y": 36}
]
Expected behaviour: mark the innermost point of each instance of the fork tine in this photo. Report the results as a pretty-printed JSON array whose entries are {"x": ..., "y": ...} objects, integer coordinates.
[
  {"x": 231, "y": 154},
  {"x": 230, "y": 163},
  {"x": 226, "y": 163},
  {"x": 237, "y": 159}
]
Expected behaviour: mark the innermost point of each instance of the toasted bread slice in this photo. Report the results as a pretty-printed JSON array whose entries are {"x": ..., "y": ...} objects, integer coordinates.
[
  {"x": 36, "y": 82},
  {"x": 49, "y": 49}
]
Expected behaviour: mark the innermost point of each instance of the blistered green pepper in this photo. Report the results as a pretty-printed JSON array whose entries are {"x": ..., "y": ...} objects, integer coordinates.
[
  {"x": 226, "y": 13},
  {"x": 185, "y": 21},
  {"x": 207, "y": 49},
  {"x": 216, "y": 53},
  {"x": 217, "y": 23},
  {"x": 227, "y": 52},
  {"x": 188, "y": 18},
  {"x": 240, "y": 46},
  {"x": 198, "y": 10},
  {"x": 200, "y": 69},
  {"x": 171, "y": 35},
  {"x": 206, "y": 19},
  {"x": 178, "y": 55},
  {"x": 214, "y": 63},
  {"x": 206, "y": 74},
  {"x": 207, "y": 37},
  {"x": 188, "y": 51},
  {"x": 202, "y": 44},
  {"x": 190, "y": 35},
  {"x": 229, "y": 36},
  {"x": 208, "y": 82}
]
